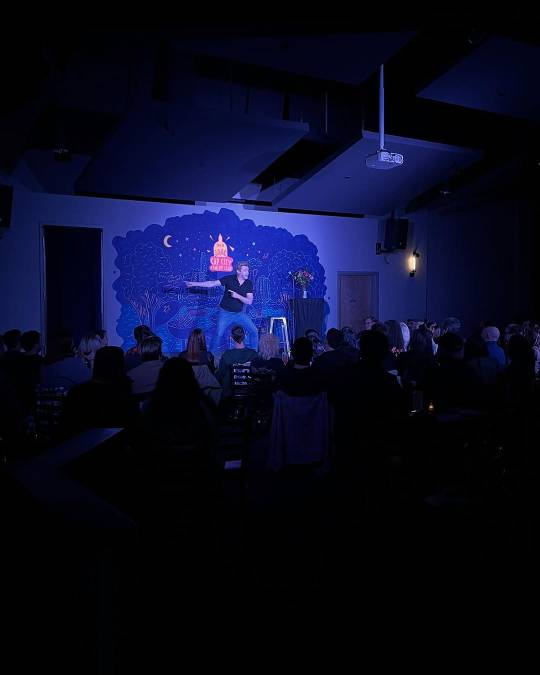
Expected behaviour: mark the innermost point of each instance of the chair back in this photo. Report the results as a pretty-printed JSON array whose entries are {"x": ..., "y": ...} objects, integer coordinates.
[
  {"x": 49, "y": 410},
  {"x": 241, "y": 380},
  {"x": 301, "y": 431}
]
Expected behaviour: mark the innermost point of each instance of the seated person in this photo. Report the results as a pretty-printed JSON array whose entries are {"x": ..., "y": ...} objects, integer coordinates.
[
  {"x": 300, "y": 379},
  {"x": 133, "y": 355},
  {"x": 88, "y": 347},
  {"x": 337, "y": 355},
  {"x": 63, "y": 368},
  {"x": 196, "y": 353},
  {"x": 239, "y": 354},
  {"x": 414, "y": 363},
  {"x": 368, "y": 403},
  {"x": 315, "y": 339},
  {"x": 491, "y": 335},
  {"x": 451, "y": 383},
  {"x": 176, "y": 411},
  {"x": 268, "y": 357},
  {"x": 106, "y": 400},
  {"x": 145, "y": 375}
]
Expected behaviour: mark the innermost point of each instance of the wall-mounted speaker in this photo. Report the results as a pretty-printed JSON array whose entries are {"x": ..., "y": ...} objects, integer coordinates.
[{"x": 395, "y": 234}]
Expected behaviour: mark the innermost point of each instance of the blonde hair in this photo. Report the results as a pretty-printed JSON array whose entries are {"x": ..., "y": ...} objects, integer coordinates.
[
  {"x": 88, "y": 347},
  {"x": 268, "y": 346}
]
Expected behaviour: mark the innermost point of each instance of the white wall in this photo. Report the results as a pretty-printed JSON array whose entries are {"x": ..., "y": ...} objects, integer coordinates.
[{"x": 344, "y": 245}]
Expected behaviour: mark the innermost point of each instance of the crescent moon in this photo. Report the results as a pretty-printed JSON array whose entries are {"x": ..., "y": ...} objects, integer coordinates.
[{"x": 166, "y": 241}]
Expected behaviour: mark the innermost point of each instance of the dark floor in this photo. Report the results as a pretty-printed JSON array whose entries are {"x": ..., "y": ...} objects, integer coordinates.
[{"x": 289, "y": 552}]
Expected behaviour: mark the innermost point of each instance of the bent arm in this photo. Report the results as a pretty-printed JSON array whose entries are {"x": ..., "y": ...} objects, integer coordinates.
[{"x": 248, "y": 300}]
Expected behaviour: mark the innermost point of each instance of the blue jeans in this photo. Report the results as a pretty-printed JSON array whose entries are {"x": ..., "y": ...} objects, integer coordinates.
[{"x": 228, "y": 320}]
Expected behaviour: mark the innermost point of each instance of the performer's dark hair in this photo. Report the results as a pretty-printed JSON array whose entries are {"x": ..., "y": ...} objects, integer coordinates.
[{"x": 241, "y": 263}]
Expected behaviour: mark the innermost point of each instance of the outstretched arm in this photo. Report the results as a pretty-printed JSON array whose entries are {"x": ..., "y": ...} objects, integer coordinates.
[{"x": 202, "y": 284}]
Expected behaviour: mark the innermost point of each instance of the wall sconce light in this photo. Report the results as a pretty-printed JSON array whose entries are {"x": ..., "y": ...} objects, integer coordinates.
[{"x": 412, "y": 262}]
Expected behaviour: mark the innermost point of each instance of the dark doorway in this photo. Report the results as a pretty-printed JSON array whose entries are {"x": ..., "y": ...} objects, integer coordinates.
[{"x": 73, "y": 286}]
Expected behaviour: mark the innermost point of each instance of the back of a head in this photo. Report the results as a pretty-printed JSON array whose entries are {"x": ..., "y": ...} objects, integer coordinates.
[
  {"x": 141, "y": 332},
  {"x": 109, "y": 364},
  {"x": 349, "y": 336},
  {"x": 30, "y": 339},
  {"x": 176, "y": 383},
  {"x": 451, "y": 325},
  {"x": 450, "y": 346},
  {"x": 490, "y": 334},
  {"x": 268, "y": 346},
  {"x": 405, "y": 334},
  {"x": 394, "y": 334},
  {"x": 103, "y": 337},
  {"x": 238, "y": 334},
  {"x": 196, "y": 344},
  {"x": 312, "y": 335},
  {"x": 369, "y": 321},
  {"x": 89, "y": 344},
  {"x": 334, "y": 338},
  {"x": 421, "y": 342},
  {"x": 380, "y": 327},
  {"x": 374, "y": 346},
  {"x": 151, "y": 349},
  {"x": 302, "y": 351},
  {"x": 12, "y": 339},
  {"x": 512, "y": 329}
]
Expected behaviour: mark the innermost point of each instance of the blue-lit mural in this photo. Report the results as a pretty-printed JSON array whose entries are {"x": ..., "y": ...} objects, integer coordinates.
[{"x": 154, "y": 264}]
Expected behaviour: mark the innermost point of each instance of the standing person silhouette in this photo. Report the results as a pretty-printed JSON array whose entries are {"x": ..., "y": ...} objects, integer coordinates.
[{"x": 232, "y": 308}]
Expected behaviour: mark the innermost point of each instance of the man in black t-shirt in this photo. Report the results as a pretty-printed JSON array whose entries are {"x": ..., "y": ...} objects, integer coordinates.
[{"x": 238, "y": 293}]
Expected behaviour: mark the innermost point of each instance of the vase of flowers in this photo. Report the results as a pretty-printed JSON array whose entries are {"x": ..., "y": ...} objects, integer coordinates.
[{"x": 303, "y": 278}]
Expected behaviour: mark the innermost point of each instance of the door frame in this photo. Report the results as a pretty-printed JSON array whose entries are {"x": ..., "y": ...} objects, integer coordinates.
[{"x": 374, "y": 290}]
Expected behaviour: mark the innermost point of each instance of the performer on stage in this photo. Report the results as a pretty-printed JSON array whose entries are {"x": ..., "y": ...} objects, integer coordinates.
[{"x": 238, "y": 292}]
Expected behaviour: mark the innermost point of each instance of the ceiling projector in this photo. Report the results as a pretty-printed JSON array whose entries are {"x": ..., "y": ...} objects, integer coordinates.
[{"x": 383, "y": 159}]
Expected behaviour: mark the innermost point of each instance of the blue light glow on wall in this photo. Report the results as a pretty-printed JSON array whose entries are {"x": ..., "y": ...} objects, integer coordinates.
[{"x": 154, "y": 262}]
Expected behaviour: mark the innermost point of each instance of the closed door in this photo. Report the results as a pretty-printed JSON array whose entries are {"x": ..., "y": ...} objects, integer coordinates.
[{"x": 358, "y": 298}]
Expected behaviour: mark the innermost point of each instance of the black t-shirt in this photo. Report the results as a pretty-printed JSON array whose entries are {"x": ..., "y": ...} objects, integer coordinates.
[{"x": 231, "y": 284}]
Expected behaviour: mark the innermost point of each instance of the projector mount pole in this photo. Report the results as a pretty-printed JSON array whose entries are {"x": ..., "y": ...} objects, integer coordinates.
[{"x": 381, "y": 108}]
